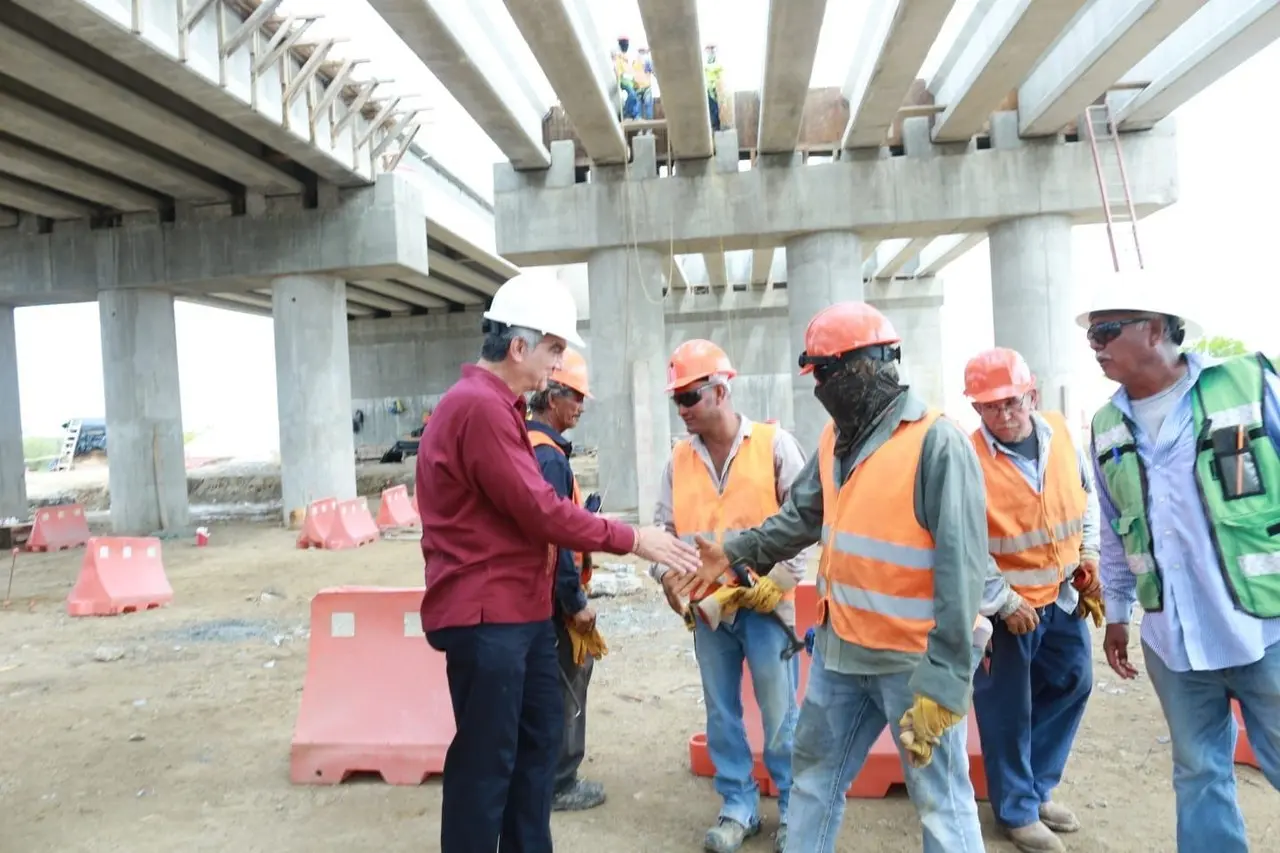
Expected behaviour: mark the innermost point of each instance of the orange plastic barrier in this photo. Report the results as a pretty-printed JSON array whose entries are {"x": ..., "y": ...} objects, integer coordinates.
[
  {"x": 119, "y": 575},
  {"x": 57, "y": 528},
  {"x": 352, "y": 527},
  {"x": 883, "y": 767},
  {"x": 375, "y": 698},
  {"x": 1244, "y": 751},
  {"x": 315, "y": 527},
  {"x": 397, "y": 510}
]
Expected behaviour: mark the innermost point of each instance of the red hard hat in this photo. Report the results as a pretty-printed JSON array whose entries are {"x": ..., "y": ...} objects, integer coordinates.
[
  {"x": 845, "y": 327},
  {"x": 997, "y": 374},
  {"x": 694, "y": 360},
  {"x": 572, "y": 372}
]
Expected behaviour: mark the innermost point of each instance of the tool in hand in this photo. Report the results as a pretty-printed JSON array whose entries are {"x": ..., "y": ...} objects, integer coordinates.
[
  {"x": 569, "y": 689},
  {"x": 8, "y": 592},
  {"x": 743, "y": 574}
]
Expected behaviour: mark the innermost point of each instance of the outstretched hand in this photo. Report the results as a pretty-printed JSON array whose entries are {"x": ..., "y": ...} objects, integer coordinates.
[
  {"x": 713, "y": 564},
  {"x": 659, "y": 546}
]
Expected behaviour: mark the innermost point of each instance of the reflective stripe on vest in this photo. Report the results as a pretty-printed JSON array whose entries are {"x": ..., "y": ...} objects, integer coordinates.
[
  {"x": 750, "y": 491},
  {"x": 1035, "y": 537},
  {"x": 875, "y": 578},
  {"x": 1246, "y": 530},
  {"x": 538, "y": 438}
]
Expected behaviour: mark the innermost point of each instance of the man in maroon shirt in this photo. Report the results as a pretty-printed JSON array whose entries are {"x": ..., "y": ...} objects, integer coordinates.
[{"x": 491, "y": 526}]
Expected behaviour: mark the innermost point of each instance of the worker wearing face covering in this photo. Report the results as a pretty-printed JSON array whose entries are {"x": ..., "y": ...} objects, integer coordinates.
[{"x": 895, "y": 496}]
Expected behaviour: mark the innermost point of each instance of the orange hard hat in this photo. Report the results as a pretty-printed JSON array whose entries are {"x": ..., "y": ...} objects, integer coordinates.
[
  {"x": 694, "y": 360},
  {"x": 572, "y": 372},
  {"x": 997, "y": 374},
  {"x": 844, "y": 327}
]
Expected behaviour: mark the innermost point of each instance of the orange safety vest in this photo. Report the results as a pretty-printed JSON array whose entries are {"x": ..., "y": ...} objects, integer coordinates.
[
  {"x": 1035, "y": 538},
  {"x": 750, "y": 492},
  {"x": 539, "y": 438},
  {"x": 875, "y": 578}
]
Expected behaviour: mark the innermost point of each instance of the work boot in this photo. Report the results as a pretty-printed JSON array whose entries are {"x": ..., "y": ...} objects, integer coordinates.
[
  {"x": 780, "y": 840},
  {"x": 1035, "y": 838},
  {"x": 1058, "y": 817},
  {"x": 578, "y": 796},
  {"x": 727, "y": 835}
]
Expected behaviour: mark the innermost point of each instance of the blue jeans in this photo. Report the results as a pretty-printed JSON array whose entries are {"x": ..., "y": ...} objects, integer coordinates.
[
  {"x": 1203, "y": 732},
  {"x": 644, "y": 101},
  {"x": 841, "y": 718},
  {"x": 758, "y": 640},
  {"x": 1029, "y": 705},
  {"x": 500, "y": 767}
]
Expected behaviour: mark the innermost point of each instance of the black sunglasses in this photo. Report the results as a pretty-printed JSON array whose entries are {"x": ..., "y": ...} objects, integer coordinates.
[
  {"x": 824, "y": 366},
  {"x": 1106, "y": 331},
  {"x": 689, "y": 399}
]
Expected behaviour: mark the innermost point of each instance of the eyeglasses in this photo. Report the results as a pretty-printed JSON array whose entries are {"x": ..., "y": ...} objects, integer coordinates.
[
  {"x": 1013, "y": 405},
  {"x": 1105, "y": 332},
  {"x": 689, "y": 399},
  {"x": 825, "y": 365}
]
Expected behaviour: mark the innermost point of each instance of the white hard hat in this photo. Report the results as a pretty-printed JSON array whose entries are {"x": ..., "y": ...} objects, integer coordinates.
[
  {"x": 1140, "y": 291},
  {"x": 538, "y": 301}
]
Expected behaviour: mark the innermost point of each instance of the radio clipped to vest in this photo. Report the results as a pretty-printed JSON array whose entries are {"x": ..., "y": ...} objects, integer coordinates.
[{"x": 1234, "y": 462}]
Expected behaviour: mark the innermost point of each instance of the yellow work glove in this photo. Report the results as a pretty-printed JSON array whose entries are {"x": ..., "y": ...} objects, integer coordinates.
[
  {"x": 763, "y": 597},
  {"x": 590, "y": 644},
  {"x": 1090, "y": 608},
  {"x": 689, "y": 619},
  {"x": 922, "y": 728}
]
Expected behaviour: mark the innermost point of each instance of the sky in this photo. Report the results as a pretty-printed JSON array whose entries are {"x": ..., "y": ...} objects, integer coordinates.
[{"x": 1211, "y": 239}]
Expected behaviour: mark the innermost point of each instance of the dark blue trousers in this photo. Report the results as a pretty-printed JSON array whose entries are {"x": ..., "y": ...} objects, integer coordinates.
[
  {"x": 500, "y": 768},
  {"x": 1028, "y": 706}
]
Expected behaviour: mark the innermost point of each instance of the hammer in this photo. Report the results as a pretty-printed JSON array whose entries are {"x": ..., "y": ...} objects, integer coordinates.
[{"x": 794, "y": 644}]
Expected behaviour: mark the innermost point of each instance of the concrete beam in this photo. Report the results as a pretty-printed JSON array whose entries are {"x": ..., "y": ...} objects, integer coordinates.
[
  {"x": 373, "y": 232},
  {"x": 356, "y": 295},
  {"x": 403, "y": 293},
  {"x": 47, "y": 130},
  {"x": 217, "y": 300},
  {"x": 61, "y": 77},
  {"x": 442, "y": 289},
  {"x": 1221, "y": 36},
  {"x": 790, "y": 48},
  {"x": 902, "y": 253},
  {"x": 944, "y": 250},
  {"x": 8, "y": 217},
  {"x": 38, "y": 200},
  {"x": 762, "y": 267},
  {"x": 880, "y": 199},
  {"x": 1104, "y": 42},
  {"x": 717, "y": 269},
  {"x": 896, "y": 38},
  {"x": 446, "y": 38},
  {"x": 462, "y": 274},
  {"x": 225, "y": 86},
  {"x": 72, "y": 180},
  {"x": 675, "y": 40},
  {"x": 571, "y": 63},
  {"x": 13, "y": 469},
  {"x": 1000, "y": 52}
]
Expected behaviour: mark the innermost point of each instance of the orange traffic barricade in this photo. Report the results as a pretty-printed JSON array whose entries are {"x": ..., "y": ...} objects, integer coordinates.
[
  {"x": 315, "y": 527},
  {"x": 1244, "y": 751},
  {"x": 352, "y": 527},
  {"x": 883, "y": 767},
  {"x": 120, "y": 575},
  {"x": 375, "y": 698},
  {"x": 397, "y": 510},
  {"x": 57, "y": 528}
]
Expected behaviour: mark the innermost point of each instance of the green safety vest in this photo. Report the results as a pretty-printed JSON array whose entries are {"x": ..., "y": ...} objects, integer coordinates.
[{"x": 1245, "y": 527}]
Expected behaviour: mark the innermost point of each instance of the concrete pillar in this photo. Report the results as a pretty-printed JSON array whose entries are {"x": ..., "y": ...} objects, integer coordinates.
[
  {"x": 146, "y": 463},
  {"x": 628, "y": 363},
  {"x": 313, "y": 390},
  {"x": 1033, "y": 303},
  {"x": 822, "y": 268},
  {"x": 914, "y": 307},
  {"x": 13, "y": 471}
]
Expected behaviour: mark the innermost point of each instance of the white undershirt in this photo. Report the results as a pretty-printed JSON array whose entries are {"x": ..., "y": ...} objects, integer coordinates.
[{"x": 1151, "y": 412}]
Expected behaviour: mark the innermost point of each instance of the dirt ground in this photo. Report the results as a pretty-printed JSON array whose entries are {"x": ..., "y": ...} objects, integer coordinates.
[{"x": 182, "y": 744}]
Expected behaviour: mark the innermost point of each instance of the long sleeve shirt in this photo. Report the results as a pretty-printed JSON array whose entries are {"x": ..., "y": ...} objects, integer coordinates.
[
  {"x": 788, "y": 461},
  {"x": 488, "y": 516},
  {"x": 1199, "y": 627},
  {"x": 1033, "y": 471},
  {"x": 950, "y": 502},
  {"x": 557, "y": 471}
]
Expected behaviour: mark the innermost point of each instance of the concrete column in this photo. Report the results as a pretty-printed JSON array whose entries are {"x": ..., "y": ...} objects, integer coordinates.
[
  {"x": 1033, "y": 303},
  {"x": 146, "y": 463},
  {"x": 628, "y": 363},
  {"x": 13, "y": 471},
  {"x": 822, "y": 268},
  {"x": 914, "y": 307},
  {"x": 313, "y": 390}
]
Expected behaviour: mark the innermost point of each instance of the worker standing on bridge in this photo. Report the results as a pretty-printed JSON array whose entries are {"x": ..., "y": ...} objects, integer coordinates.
[
  {"x": 1187, "y": 453},
  {"x": 730, "y": 474},
  {"x": 490, "y": 528},
  {"x": 895, "y": 495},
  {"x": 713, "y": 73},
  {"x": 556, "y": 410},
  {"x": 1042, "y": 523},
  {"x": 644, "y": 84},
  {"x": 624, "y": 70}
]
